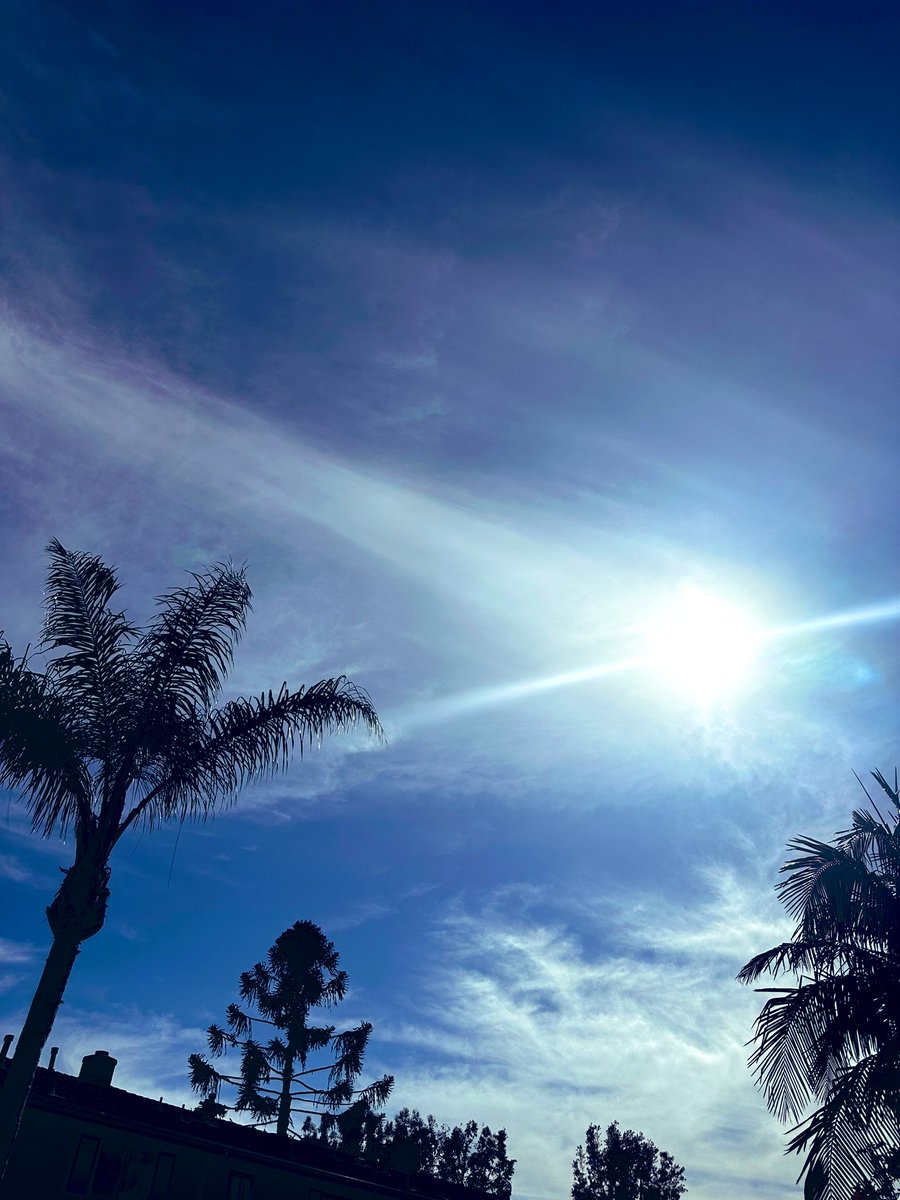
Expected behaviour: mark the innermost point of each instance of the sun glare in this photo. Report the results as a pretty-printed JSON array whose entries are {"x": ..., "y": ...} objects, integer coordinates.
[{"x": 702, "y": 645}]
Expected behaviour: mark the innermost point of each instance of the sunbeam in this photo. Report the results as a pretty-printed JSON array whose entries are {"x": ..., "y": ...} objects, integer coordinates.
[
  {"x": 490, "y": 697},
  {"x": 888, "y": 610},
  {"x": 658, "y": 658}
]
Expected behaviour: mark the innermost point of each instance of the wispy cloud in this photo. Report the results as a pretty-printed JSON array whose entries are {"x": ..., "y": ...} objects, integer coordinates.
[
  {"x": 16, "y": 952},
  {"x": 484, "y": 587},
  {"x": 12, "y": 868},
  {"x": 150, "y": 421},
  {"x": 152, "y": 1048},
  {"x": 360, "y": 913},
  {"x": 529, "y": 1029}
]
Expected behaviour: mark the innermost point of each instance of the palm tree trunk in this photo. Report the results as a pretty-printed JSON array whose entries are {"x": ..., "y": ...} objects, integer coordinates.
[
  {"x": 77, "y": 913},
  {"x": 41, "y": 1015}
]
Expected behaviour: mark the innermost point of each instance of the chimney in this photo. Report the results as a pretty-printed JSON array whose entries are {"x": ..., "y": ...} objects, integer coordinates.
[
  {"x": 98, "y": 1068},
  {"x": 7, "y": 1042}
]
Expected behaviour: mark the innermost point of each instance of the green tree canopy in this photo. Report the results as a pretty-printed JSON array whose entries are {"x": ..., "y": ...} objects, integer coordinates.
[
  {"x": 624, "y": 1166},
  {"x": 301, "y": 973},
  {"x": 832, "y": 1039},
  {"x": 120, "y": 730}
]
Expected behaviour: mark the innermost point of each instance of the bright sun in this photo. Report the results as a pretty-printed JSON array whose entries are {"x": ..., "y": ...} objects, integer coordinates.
[{"x": 702, "y": 645}]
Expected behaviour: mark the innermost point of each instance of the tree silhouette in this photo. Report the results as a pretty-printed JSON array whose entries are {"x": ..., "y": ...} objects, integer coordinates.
[
  {"x": 624, "y": 1166},
  {"x": 301, "y": 972},
  {"x": 412, "y": 1143},
  {"x": 120, "y": 730},
  {"x": 834, "y": 1037},
  {"x": 476, "y": 1158}
]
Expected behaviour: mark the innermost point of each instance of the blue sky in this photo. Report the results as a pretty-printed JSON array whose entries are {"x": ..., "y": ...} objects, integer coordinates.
[{"x": 477, "y": 330}]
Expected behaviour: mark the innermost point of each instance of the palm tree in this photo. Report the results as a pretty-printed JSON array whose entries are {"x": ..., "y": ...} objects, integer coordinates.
[
  {"x": 120, "y": 730},
  {"x": 834, "y": 1037}
]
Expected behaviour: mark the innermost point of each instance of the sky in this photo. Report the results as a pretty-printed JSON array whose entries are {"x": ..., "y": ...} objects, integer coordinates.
[{"x": 484, "y": 334}]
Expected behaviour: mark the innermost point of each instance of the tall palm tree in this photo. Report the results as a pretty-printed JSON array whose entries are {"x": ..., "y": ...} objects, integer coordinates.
[
  {"x": 120, "y": 730},
  {"x": 834, "y": 1037}
]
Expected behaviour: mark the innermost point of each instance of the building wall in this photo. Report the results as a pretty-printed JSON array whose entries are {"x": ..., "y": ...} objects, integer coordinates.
[{"x": 62, "y": 1155}]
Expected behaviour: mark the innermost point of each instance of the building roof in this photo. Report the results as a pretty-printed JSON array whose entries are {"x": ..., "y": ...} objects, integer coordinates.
[{"x": 108, "y": 1105}]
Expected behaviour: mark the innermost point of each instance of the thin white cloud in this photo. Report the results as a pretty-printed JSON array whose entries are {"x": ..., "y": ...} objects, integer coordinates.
[
  {"x": 360, "y": 913},
  {"x": 12, "y": 868},
  {"x": 152, "y": 421},
  {"x": 16, "y": 952},
  {"x": 151, "y": 1049},
  {"x": 528, "y": 1030}
]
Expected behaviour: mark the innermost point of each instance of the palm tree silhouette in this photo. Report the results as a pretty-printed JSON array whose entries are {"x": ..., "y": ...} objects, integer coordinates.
[
  {"x": 120, "y": 730},
  {"x": 835, "y": 1036}
]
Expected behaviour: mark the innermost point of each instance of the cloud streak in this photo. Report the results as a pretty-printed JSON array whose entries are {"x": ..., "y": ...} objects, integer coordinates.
[
  {"x": 545, "y": 1036},
  {"x": 12, "y": 952},
  {"x": 150, "y": 422}
]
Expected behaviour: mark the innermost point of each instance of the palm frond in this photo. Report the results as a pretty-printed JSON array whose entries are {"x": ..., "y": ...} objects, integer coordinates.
[
  {"x": 209, "y": 761},
  {"x": 834, "y": 1037},
  {"x": 817, "y": 959},
  {"x": 876, "y": 843},
  {"x": 834, "y": 891},
  {"x": 40, "y": 753},
  {"x": 842, "y": 1137},
  {"x": 92, "y": 675},
  {"x": 806, "y": 1035},
  {"x": 893, "y": 791},
  {"x": 189, "y": 646},
  {"x": 795, "y": 957},
  {"x": 804, "y": 889},
  {"x": 786, "y": 1035}
]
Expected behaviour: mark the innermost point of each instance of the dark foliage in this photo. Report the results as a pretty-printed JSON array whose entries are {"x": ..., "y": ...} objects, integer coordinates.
[
  {"x": 463, "y": 1154},
  {"x": 833, "y": 1038},
  {"x": 120, "y": 729},
  {"x": 301, "y": 972},
  {"x": 624, "y": 1166},
  {"x": 121, "y": 726}
]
